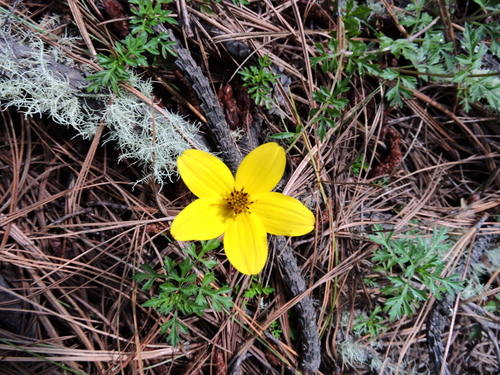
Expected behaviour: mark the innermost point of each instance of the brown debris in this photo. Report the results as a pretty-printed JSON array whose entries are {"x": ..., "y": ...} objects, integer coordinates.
[
  {"x": 219, "y": 362},
  {"x": 394, "y": 154},
  {"x": 115, "y": 12},
  {"x": 236, "y": 107}
]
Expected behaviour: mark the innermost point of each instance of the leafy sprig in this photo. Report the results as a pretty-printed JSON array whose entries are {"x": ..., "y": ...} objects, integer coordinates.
[
  {"x": 359, "y": 165},
  {"x": 147, "y": 15},
  {"x": 372, "y": 324},
  {"x": 260, "y": 81},
  {"x": 356, "y": 59},
  {"x": 402, "y": 88},
  {"x": 331, "y": 106},
  {"x": 132, "y": 51},
  {"x": 257, "y": 289}
]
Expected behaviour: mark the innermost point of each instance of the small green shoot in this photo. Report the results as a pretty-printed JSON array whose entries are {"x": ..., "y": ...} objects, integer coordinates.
[
  {"x": 331, "y": 106},
  {"x": 256, "y": 293},
  {"x": 257, "y": 289},
  {"x": 493, "y": 306},
  {"x": 402, "y": 89},
  {"x": 260, "y": 80},
  {"x": 359, "y": 165},
  {"x": 147, "y": 15},
  {"x": 275, "y": 329},
  {"x": 132, "y": 51},
  {"x": 370, "y": 282},
  {"x": 370, "y": 324}
]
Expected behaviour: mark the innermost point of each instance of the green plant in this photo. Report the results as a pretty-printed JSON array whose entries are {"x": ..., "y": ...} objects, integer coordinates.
[
  {"x": 147, "y": 15},
  {"x": 331, "y": 106},
  {"x": 474, "y": 87},
  {"x": 358, "y": 56},
  {"x": 260, "y": 80},
  {"x": 131, "y": 51},
  {"x": 182, "y": 293},
  {"x": 288, "y": 135},
  {"x": 431, "y": 57},
  {"x": 275, "y": 329},
  {"x": 413, "y": 268},
  {"x": 370, "y": 324},
  {"x": 359, "y": 165},
  {"x": 370, "y": 282},
  {"x": 257, "y": 289},
  {"x": 355, "y": 59},
  {"x": 402, "y": 88},
  {"x": 493, "y": 305},
  {"x": 256, "y": 293}
]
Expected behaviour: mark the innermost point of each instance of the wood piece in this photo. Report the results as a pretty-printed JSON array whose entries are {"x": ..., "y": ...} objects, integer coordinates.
[
  {"x": 439, "y": 316},
  {"x": 311, "y": 345},
  {"x": 209, "y": 102}
]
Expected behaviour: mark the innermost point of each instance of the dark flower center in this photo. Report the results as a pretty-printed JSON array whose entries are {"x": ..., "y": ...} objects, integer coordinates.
[{"x": 239, "y": 201}]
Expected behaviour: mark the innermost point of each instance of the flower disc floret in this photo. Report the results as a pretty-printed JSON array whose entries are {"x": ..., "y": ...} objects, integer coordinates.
[
  {"x": 239, "y": 201},
  {"x": 243, "y": 208}
]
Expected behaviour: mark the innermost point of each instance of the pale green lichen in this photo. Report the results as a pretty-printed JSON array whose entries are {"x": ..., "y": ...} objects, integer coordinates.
[
  {"x": 480, "y": 270},
  {"x": 39, "y": 81},
  {"x": 358, "y": 353},
  {"x": 145, "y": 134},
  {"x": 352, "y": 353},
  {"x": 28, "y": 83}
]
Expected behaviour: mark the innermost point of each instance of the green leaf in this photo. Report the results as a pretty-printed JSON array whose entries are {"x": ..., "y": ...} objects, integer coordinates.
[
  {"x": 208, "y": 279},
  {"x": 409, "y": 82},
  {"x": 284, "y": 135},
  {"x": 174, "y": 327},
  {"x": 182, "y": 293},
  {"x": 396, "y": 94},
  {"x": 389, "y": 74},
  {"x": 471, "y": 38}
]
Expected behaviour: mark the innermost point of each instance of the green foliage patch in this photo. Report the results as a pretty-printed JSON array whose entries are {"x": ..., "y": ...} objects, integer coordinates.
[
  {"x": 424, "y": 54},
  {"x": 132, "y": 51},
  {"x": 182, "y": 293},
  {"x": 413, "y": 267}
]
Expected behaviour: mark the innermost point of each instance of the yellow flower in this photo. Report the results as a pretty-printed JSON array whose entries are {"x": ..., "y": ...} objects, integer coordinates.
[{"x": 244, "y": 208}]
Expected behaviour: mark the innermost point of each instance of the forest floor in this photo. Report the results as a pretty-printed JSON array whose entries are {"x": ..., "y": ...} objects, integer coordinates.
[{"x": 388, "y": 112}]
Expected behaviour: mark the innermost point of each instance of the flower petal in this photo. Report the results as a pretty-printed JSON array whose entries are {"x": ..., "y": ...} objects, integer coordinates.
[
  {"x": 282, "y": 215},
  {"x": 204, "y": 174},
  {"x": 262, "y": 169},
  {"x": 245, "y": 244},
  {"x": 201, "y": 220}
]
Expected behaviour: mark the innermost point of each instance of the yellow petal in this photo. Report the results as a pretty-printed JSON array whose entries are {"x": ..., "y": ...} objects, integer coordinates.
[
  {"x": 282, "y": 215},
  {"x": 245, "y": 244},
  {"x": 204, "y": 174},
  {"x": 201, "y": 220},
  {"x": 262, "y": 169}
]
